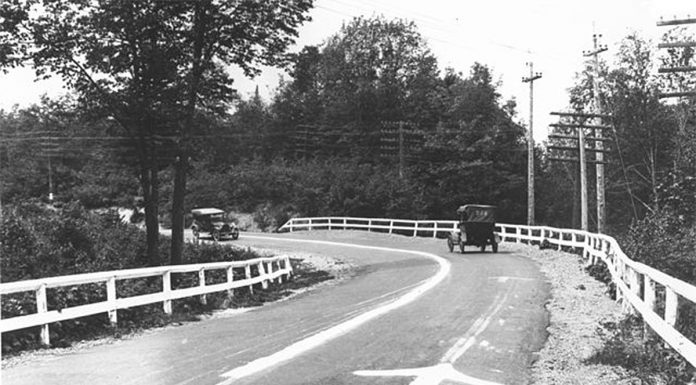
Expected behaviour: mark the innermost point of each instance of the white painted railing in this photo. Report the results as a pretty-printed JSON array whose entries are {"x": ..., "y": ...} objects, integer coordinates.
[
  {"x": 267, "y": 270},
  {"x": 414, "y": 228},
  {"x": 638, "y": 286}
]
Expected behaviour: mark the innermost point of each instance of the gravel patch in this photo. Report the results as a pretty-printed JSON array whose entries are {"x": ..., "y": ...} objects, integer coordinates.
[{"x": 578, "y": 308}]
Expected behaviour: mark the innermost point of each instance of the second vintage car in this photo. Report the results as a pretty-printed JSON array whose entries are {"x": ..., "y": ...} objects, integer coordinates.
[
  {"x": 213, "y": 223},
  {"x": 476, "y": 228}
]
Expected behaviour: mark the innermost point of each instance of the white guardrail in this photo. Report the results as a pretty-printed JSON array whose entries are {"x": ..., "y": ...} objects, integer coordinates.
[
  {"x": 638, "y": 286},
  {"x": 267, "y": 269}
]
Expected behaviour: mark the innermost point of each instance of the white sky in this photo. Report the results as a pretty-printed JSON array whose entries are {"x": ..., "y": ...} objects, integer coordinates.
[{"x": 503, "y": 34}]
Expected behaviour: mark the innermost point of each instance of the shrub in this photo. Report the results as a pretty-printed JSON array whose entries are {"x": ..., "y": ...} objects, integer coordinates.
[
  {"x": 646, "y": 356},
  {"x": 40, "y": 242},
  {"x": 665, "y": 241}
]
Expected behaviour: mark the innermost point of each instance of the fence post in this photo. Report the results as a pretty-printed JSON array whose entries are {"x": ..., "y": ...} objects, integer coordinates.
[
  {"x": 288, "y": 267},
  {"x": 310, "y": 224},
  {"x": 671, "y": 306},
  {"x": 111, "y": 299},
  {"x": 291, "y": 224},
  {"x": 167, "y": 290},
  {"x": 230, "y": 281},
  {"x": 634, "y": 285},
  {"x": 619, "y": 268},
  {"x": 344, "y": 223},
  {"x": 650, "y": 300},
  {"x": 279, "y": 270},
  {"x": 415, "y": 229},
  {"x": 559, "y": 246},
  {"x": 247, "y": 275},
  {"x": 201, "y": 283},
  {"x": 391, "y": 226},
  {"x": 518, "y": 234},
  {"x": 42, "y": 307},
  {"x": 369, "y": 225},
  {"x": 262, "y": 273},
  {"x": 435, "y": 231}
]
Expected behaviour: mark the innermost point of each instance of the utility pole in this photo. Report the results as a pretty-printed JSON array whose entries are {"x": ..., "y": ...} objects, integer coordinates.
[
  {"x": 601, "y": 199},
  {"x": 401, "y": 150},
  {"x": 530, "y": 143},
  {"x": 50, "y": 181},
  {"x": 675, "y": 69},
  {"x": 398, "y": 137},
  {"x": 582, "y": 150},
  {"x": 583, "y": 180}
]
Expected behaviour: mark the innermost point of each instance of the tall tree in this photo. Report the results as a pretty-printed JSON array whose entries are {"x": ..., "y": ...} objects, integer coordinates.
[
  {"x": 477, "y": 153},
  {"x": 153, "y": 66},
  {"x": 372, "y": 70}
]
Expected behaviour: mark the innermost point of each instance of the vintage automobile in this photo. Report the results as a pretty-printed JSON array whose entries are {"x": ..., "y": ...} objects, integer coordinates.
[
  {"x": 212, "y": 223},
  {"x": 476, "y": 227}
]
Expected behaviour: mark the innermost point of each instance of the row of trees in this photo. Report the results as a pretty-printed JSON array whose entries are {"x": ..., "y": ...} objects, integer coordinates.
[{"x": 325, "y": 143}]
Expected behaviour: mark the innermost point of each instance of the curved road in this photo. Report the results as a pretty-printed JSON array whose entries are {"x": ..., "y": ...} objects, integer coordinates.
[{"x": 416, "y": 316}]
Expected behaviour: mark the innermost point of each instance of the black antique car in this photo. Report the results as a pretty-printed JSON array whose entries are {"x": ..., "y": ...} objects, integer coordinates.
[
  {"x": 212, "y": 222},
  {"x": 476, "y": 227}
]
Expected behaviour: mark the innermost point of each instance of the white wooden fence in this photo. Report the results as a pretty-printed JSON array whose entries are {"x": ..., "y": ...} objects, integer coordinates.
[
  {"x": 410, "y": 227},
  {"x": 267, "y": 269},
  {"x": 638, "y": 286}
]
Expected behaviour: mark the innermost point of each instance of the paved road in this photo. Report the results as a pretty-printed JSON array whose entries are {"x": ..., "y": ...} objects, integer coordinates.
[{"x": 425, "y": 318}]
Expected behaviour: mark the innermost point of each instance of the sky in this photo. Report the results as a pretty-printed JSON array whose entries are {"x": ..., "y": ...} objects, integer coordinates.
[{"x": 502, "y": 34}]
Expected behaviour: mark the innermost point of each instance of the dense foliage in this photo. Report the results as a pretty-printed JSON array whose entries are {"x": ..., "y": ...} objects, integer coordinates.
[
  {"x": 155, "y": 68},
  {"x": 38, "y": 241}
]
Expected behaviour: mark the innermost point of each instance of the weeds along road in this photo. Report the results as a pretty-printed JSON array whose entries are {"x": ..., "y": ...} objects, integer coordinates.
[{"x": 419, "y": 315}]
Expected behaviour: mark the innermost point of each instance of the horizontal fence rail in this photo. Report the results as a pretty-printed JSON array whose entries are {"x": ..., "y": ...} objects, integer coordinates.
[
  {"x": 266, "y": 270},
  {"x": 638, "y": 286}
]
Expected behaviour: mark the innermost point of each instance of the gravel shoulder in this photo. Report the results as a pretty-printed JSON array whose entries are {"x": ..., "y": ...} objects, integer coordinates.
[{"x": 578, "y": 308}]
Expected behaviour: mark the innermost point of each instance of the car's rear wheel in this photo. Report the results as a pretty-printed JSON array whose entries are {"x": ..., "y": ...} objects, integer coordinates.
[
  {"x": 216, "y": 235},
  {"x": 450, "y": 244},
  {"x": 461, "y": 246},
  {"x": 495, "y": 246}
]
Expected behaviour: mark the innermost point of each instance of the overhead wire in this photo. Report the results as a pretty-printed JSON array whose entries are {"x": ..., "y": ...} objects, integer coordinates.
[{"x": 436, "y": 24}]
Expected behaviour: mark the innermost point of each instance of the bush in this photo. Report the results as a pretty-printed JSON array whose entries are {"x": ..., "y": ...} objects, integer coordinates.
[
  {"x": 270, "y": 218},
  {"x": 37, "y": 242},
  {"x": 666, "y": 241},
  {"x": 276, "y": 191},
  {"x": 646, "y": 356}
]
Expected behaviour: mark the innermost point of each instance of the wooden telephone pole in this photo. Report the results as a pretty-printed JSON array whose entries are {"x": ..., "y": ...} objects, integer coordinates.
[
  {"x": 601, "y": 199},
  {"x": 398, "y": 137},
  {"x": 530, "y": 143},
  {"x": 579, "y": 125},
  {"x": 684, "y": 66}
]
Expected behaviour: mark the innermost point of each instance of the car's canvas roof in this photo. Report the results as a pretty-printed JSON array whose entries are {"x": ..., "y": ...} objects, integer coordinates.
[
  {"x": 477, "y": 213},
  {"x": 466, "y": 207},
  {"x": 206, "y": 211}
]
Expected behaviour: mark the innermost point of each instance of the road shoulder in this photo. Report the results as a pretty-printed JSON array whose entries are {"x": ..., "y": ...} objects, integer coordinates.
[{"x": 578, "y": 308}]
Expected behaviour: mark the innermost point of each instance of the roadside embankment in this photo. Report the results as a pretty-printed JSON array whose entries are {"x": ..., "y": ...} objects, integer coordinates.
[{"x": 578, "y": 309}]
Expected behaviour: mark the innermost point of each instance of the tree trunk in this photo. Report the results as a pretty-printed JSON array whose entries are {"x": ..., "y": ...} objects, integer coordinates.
[{"x": 178, "y": 210}]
